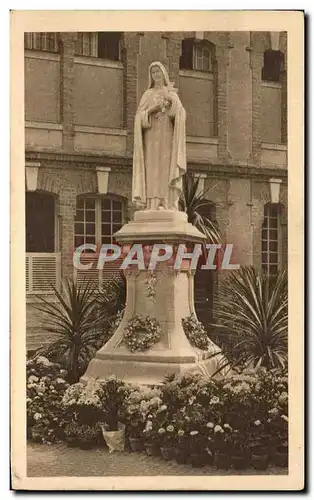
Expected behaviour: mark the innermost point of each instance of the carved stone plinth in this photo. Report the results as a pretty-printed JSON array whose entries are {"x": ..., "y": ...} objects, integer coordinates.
[{"x": 173, "y": 300}]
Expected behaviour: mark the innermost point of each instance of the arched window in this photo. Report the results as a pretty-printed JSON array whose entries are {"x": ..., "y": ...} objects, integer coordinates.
[
  {"x": 97, "y": 219},
  {"x": 48, "y": 42},
  {"x": 197, "y": 55},
  {"x": 105, "y": 45},
  {"x": 274, "y": 65},
  {"x": 271, "y": 238}
]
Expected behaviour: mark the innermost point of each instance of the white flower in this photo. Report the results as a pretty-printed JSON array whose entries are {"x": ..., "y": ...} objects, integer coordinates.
[
  {"x": 218, "y": 428},
  {"x": 273, "y": 411},
  {"x": 180, "y": 432},
  {"x": 33, "y": 379},
  {"x": 193, "y": 433},
  {"x": 227, "y": 426},
  {"x": 170, "y": 428},
  {"x": 163, "y": 408},
  {"x": 285, "y": 418},
  {"x": 257, "y": 422},
  {"x": 161, "y": 430},
  {"x": 214, "y": 400},
  {"x": 60, "y": 381},
  {"x": 37, "y": 416},
  {"x": 210, "y": 425}
]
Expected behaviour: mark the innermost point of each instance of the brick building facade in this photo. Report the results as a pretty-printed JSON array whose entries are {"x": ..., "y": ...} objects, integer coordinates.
[{"x": 81, "y": 94}]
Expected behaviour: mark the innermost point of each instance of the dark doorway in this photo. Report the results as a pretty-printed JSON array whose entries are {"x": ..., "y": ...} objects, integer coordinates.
[{"x": 40, "y": 222}]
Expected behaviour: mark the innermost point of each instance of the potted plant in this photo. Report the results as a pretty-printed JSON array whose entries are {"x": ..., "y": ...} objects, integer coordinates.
[
  {"x": 113, "y": 398},
  {"x": 222, "y": 453},
  {"x": 258, "y": 446},
  {"x": 87, "y": 436},
  {"x": 197, "y": 449},
  {"x": 167, "y": 441},
  {"x": 239, "y": 450},
  {"x": 72, "y": 435},
  {"x": 182, "y": 448}
]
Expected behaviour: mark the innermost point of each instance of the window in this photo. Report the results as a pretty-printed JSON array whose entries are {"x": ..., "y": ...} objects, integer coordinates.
[
  {"x": 197, "y": 55},
  {"x": 40, "y": 230},
  {"x": 96, "y": 220},
  {"x": 271, "y": 241},
  {"x": 48, "y": 42},
  {"x": 105, "y": 45},
  {"x": 273, "y": 65}
]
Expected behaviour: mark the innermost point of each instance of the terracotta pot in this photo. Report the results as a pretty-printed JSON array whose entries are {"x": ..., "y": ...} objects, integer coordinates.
[
  {"x": 222, "y": 460},
  {"x": 198, "y": 459},
  {"x": 239, "y": 462},
  {"x": 182, "y": 456},
  {"x": 168, "y": 453},
  {"x": 72, "y": 442},
  {"x": 137, "y": 444},
  {"x": 259, "y": 462},
  {"x": 86, "y": 445},
  {"x": 152, "y": 449}
]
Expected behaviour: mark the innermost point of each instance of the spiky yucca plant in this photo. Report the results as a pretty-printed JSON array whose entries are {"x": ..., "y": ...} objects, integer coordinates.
[
  {"x": 74, "y": 323},
  {"x": 193, "y": 202},
  {"x": 252, "y": 308}
]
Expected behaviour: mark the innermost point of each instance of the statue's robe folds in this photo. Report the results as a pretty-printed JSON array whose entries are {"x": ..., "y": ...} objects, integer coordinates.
[{"x": 159, "y": 158}]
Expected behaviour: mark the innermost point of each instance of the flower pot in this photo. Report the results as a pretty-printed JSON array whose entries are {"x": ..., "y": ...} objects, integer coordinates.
[
  {"x": 259, "y": 462},
  {"x": 222, "y": 460},
  {"x": 137, "y": 444},
  {"x": 167, "y": 452},
  {"x": 37, "y": 435},
  {"x": 72, "y": 442},
  {"x": 181, "y": 456},
  {"x": 152, "y": 449},
  {"x": 198, "y": 459},
  {"x": 115, "y": 440},
  {"x": 86, "y": 445},
  {"x": 239, "y": 462}
]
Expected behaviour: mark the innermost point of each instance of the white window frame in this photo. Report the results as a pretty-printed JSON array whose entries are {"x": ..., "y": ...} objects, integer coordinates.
[
  {"x": 201, "y": 58},
  {"x": 266, "y": 265},
  {"x": 41, "y": 41}
]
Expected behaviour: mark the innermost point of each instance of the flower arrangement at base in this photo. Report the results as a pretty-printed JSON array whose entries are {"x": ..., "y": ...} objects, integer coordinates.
[
  {"x": 195, "y": 332},
  {"x": 82, "y": 435},
  {"x": 141, "y": 333}
]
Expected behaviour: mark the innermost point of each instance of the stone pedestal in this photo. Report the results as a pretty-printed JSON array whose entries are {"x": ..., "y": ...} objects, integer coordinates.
[{"x": 173, "y": 300}]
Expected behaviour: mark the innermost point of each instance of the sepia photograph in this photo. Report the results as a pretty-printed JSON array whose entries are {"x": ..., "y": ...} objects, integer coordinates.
[{"x": 150, "y": 330}]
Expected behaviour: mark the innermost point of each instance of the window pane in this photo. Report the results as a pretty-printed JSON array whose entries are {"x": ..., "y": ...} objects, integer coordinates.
[
  {"x": 105, "y": 204},
  {"x": 273, "y": 210},
  {"x": 105, "y": 216},
  {"x": 273, "y": 223},
  {"x": 273, "y": 269},
  {"x": 205, "y": 64},
  {"x": 264, "y": 246},
  {"x": 264, "y": 234},
  {"x": 79, "y": 240},
  {"x": 106, "y": 229},
  {"x": 117, "y": 217},
  {"x": 273, "y": 258},
  {"x": 264, "y": 258},
  {"x": 79, "y": 228},
  {"x": 106, "y": 239},
  {"x": 117, "y": 205},
  {"x": 198, "y": 52},
  {"x": 89, "y": 203},
  {"x": 90, "y": 215},
  {"x": 90, "y": 229},
  {"x": 79, "y": 216},
  {"x": 90, "y": 239},
  {"x": 273, "y": 234},
  {"x": 273, "y": 246},
  {"x": 80, "y": 203}
]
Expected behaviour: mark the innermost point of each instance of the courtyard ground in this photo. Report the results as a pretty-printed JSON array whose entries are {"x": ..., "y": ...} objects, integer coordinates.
[{"x": 59, "y": 460}]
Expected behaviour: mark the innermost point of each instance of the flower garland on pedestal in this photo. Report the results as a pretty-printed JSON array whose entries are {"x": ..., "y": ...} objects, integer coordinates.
[
  {"x": 141, "y": 333},
  {"x": 195, "y": 332}
]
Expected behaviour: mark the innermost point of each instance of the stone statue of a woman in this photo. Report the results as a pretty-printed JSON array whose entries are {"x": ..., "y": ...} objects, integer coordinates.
[{"x": 159, "y": 159}]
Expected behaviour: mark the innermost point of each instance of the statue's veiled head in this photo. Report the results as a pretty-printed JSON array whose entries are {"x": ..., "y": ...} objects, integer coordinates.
[{"x": 157, "y": 75}]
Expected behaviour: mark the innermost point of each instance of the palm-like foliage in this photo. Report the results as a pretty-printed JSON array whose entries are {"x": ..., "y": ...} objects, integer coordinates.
[
  {"x": 252, "y": 307},
  {"x": 74, "y": 322},
  {"x": 194, "y": 203}
]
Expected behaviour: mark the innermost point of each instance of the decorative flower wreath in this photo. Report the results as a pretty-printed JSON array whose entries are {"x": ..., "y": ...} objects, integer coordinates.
[
  {"x": 195, "y": 332},
  {"x": 141, "y": 333}
]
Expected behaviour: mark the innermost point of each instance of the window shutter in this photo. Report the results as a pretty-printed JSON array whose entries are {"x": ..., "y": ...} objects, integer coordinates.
[
  {"x": 186, "y": 59},
  {"x": 44, "y": 273}
]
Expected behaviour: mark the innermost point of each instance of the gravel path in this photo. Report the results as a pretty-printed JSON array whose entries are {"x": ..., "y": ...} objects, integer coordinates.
[{"x": 59, "y": 460}]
